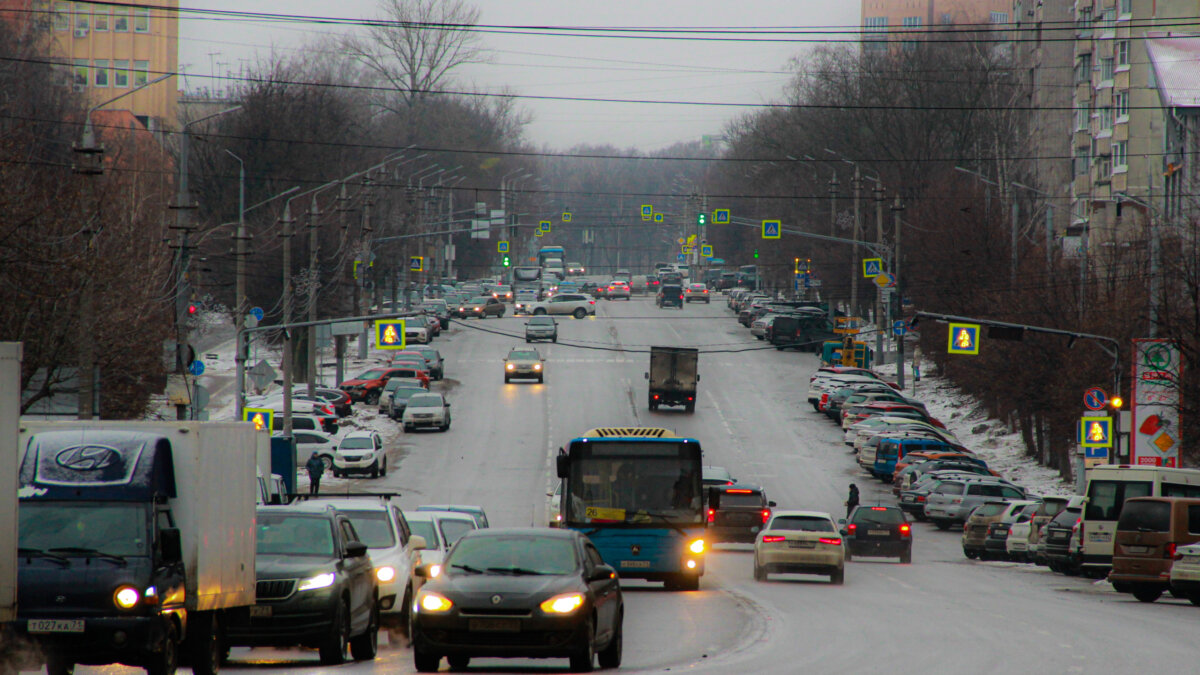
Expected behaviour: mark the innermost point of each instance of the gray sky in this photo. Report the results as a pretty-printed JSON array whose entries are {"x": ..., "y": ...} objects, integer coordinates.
[{"x": 570, "y": 66}]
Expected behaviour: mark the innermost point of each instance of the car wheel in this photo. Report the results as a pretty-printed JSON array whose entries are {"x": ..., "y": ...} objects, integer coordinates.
[
  {"x": 166, "y": 661},
  {"x": 579, "y": 312},
  {"x": 1147, "y": 593},
  {"x": 691, "y": 407},
  {"x": 507, "y": 379},
  {"x": 760, "y": 573},
  {"x": 327, "y": 460},
  {"x": 366, "y": 646},
  {"x": 372, "y": 398},
  {"x": 942, "y": 524},
  {"x": 383, "y": 471},
  {"x": 539, "y": 312},
  {"x": 554, "y": 339},
  {"x": 1194, "y": 598},
  {"x": 458, "y": 662},
  {"x": 541, "y": 379},
  {"x": 838, "y": 578},
  {"x": 610, "y": 656},
  {"x": 906, "y": 557},
  {"x": 408, "y": 428},
  {"x": 527, "y": 340},
  {"x": 583, "y": 661},
  {"x": 849, "y": 555},
  {"x": 205, "y": 650},
  {"x": 970, "y": 554},
  {"x": 425, "y": 662},
  {"x": 375, "y": 469},
  {"x": 333, "y": 648},
  {"x": 337, "y": 474}
]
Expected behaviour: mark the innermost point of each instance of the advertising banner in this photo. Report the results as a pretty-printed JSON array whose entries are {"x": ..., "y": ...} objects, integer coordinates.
[{"x": 1156, "y": 434}]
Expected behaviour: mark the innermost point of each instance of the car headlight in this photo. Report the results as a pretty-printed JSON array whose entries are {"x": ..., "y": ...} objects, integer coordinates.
[
  {"x": 537, "y": 366},
  {"x": 385, "y": 574},
  {"x": 696, "y": 546},
  {"x": 509, "y": 366},
  {"x": 432, "y": 602},
  {"x": 563, "y": 604},
  {"x": 319, "y": 581},
  {"x": 126, "y": 597}
]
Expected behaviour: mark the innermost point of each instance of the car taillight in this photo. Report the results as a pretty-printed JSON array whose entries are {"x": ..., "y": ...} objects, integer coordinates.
[
  {"x": 712, "y": 515},
  {"x": 832, "y": 541},
  {"x": 656, "y": 397},
  {"x": 879, "y": 508},
  {"x": 1170, "y": 551},
  {"x": 766, "y": 515},
  {"x": 905, "y": 530},
  {"x": 851, "y": 528},
  {"x": 772, "y": 538}
]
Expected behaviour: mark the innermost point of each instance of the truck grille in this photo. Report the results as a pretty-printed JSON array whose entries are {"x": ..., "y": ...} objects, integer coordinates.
[{"x": 275, "y": 589}]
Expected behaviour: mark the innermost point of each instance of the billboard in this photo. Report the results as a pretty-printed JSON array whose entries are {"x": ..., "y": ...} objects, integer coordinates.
[{"x": 1156, "y": 434}]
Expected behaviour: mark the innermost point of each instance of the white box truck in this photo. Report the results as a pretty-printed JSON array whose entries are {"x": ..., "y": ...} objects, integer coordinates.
[
  {"x": 137, "y": 540},
  {"x": 10, "y": 414}
]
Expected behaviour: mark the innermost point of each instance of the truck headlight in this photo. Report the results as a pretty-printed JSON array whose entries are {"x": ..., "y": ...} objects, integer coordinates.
[
  {"x": 126, "y": 597},
  {"x": 319, "y": 581}
]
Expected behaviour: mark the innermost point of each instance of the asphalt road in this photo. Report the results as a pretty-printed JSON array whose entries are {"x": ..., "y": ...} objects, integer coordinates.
[{"x": 940, "y": 614}]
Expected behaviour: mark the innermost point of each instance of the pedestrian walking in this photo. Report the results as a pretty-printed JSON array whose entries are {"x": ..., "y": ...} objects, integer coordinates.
[
  {"x": 852, "y": 500},
  {"x": 315, "y": 467}
]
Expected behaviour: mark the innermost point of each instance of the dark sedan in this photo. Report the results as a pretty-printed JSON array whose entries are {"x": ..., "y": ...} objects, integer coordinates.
[
  {"x": 534, "y": 593},
  {"x": 316, "y": 586},
  {"x": 878, "y": 531}
]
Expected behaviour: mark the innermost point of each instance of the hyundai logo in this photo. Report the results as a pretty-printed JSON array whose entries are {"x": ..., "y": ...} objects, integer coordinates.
[{"x": 88, "y": 457}]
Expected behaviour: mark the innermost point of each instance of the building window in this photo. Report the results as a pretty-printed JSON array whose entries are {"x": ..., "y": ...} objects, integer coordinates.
[
  {"x": 1120, "y": 155},
  {"x": 875, "y": 28},
  {"x": 1081, "y": 164},
  {"x": 121, "y": 73},
  {"x": 1103, "y": 167},
  {"x": 141, "y": 73},
  {"x": 80, "y": 73},
  {"x": 1126, "y": 7},
  {"x": 1123, "y": 52},
  {"x": 100, "y": 73},
  {"x": 81, "y": 16},
  {"x": 1121, "y": 105},
  {"x": 999, "y": 17},
  {"x": 947, "y": 19},
  {"x": 1081, "y": 117},
  {"x": 1083, "y": 22},
  {"x": 1106, "y": 69},
  {"x": 100, "y": 17},
  {"x": 141, "y": 19},
  {"x": 121, "y": 19},
  {"x": 1083, "y": 69},
  {"x": 62, "y": 16},
  {"x": 1104, "y": 114},
  {"x": 913, "y": 24}
]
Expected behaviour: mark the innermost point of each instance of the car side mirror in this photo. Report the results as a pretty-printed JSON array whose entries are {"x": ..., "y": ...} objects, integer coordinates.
[
  {"x": 172, "y": 545},
  {"x": 417, "y": 543},
  {"x": 646, "y": 375},
  {"x": 356, "y": 549},
  {"x": 602, "y": 573},
  {"x": 842, "y": 522},
  {"x": 771, "y": 504},
  {"x": 428, "y": 570},
  {"x": 562, "y": 466}
]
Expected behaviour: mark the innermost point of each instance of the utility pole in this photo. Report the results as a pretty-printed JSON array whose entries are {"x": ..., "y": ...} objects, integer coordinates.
[
  {"x": 286, "y": 233},
  {"x": 339, "y": 341},
  {"x": 880, "y": 320},
  {"x": 897, "y": 207},
  {"x": 854, "y": 254},
  {"x": 239, "y": 302},
  {"x": 364, "y": 264},
  {"x": 833, "y": 191},
  {"x": 314, "y": 241}
]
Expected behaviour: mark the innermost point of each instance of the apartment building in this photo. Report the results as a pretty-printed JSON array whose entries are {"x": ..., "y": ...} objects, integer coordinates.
[
  {"x": 894, "y": 22},
  {"x": 112, "y": 48}
]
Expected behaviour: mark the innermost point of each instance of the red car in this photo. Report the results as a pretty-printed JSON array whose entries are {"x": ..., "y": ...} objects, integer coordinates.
[{"x": 369, "y": 385}]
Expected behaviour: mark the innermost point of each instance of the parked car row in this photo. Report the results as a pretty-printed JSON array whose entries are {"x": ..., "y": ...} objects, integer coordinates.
[{"x": 788, "y": 324}]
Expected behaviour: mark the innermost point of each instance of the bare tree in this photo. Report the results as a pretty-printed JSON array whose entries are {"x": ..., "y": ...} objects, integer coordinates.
[{"x": 416, "y": 45}]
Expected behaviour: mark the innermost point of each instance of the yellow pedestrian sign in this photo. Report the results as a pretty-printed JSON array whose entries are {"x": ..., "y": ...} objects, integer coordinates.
[
  {"x": 772, "y": 229},
  {"x": 721, "y": 217},
  {"x": 416, "y": 263},
  {"x": 538, "y": 232},
  {"x": 872, "y": 267},
  {"x": 964, "y": 338},
  {"x": 1095, "y": 432},
  {"x": 389, "y": 334},
  {"x": 261, "y": 418},
  {"x": 647, "y": 211}
]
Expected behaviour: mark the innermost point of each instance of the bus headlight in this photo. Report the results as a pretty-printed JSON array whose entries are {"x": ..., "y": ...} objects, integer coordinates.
[{"x": 696, "y": 546}]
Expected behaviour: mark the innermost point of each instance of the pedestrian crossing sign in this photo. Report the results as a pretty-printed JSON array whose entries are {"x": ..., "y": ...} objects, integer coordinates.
[
  {"x": 389, "y": 334},
  {"x": 706, "y": 250},
  {"x": 566, "y": 217},
  {"x": 721, "y": 217},
  {"x": 502, "y": 247},
  {"x": 1095, "y": 432},
  {"x": 964, "y": 338},
  {"x": 771, "y": 229},
  {"x": 416, "y": 263},
  {"x": 538, "y": 232},
  {"x": 872, "y": 267},
  {"x": 685, "y": 249},
  {"x": 647, "y": 211},
  {"x": 261, "y": 418},
  {"x": 658, "y": 217}
]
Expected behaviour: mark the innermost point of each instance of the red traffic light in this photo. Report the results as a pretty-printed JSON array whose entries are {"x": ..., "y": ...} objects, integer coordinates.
[{"x": 192, "y": 309}]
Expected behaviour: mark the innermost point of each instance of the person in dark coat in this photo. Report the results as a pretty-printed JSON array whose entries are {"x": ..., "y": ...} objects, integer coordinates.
[
  {"x": 852, "y": 500},
  {"x": 316, "y": 468}
]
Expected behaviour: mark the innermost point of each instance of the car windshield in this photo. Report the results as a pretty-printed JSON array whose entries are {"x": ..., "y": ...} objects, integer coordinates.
[
  {"x": 513, "y": 554},
  {"x": 373, "y": 527},
  {"x": 478, "y": 301},
  {"x": 425, "y": 401},
  {"x": 801, "y": 523},
  {"x": 425, "y": 530},
  {"x": 407, "y": 392},
  {"x": 522, "y": 355},
  {"x": 453, "y": 529},
  {"x": 878, "y": 514},
  {"x": 294, "y": 534},
  {"x": 357, "y": 443},
  {"x": 1150, "y": 516},
  {"x": 373, "y": 374},
  {"x": 541, "y": 321},
  {"x": 114, "y": 528}
]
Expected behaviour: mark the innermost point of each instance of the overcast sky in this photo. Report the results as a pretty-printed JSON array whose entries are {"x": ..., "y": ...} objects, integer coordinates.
[{"x": 569, "y": 66}]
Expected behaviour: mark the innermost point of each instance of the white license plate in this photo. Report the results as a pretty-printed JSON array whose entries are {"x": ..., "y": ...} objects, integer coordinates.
[
  {"x": 802, "y": 544},
  {"x": 1136, "y": 549},
  {"x": 635, "y": 563},
  {"x": 878, "y": 533},
  {"x": 55, "y": 626},
  {"x": 494, "y": 625},
  {"x": 1100, "y": 537},
  {"x": 260, "y": 611}
]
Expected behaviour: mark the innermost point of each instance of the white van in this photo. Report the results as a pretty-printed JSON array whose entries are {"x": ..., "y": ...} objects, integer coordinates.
[{"x": 1108, "y": 486}]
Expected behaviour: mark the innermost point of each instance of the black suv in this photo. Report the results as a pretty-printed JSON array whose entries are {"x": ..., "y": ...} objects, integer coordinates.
[
  {"x": 878, "y": 531},
  {"x": 1055, "y": 547},
  {"x": 736, "y": 513},
  {"x": 670, "y": 295},
  {"x": 316, "y": 585}
]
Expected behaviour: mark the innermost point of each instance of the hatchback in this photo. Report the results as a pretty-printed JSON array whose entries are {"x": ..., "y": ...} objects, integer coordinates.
[{"x": 878, "y": 531}]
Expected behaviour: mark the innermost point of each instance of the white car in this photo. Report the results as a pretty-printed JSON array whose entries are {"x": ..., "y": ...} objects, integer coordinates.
[
  {"x": 554, "y": 505},
  {"x": 1185, "y": 573},
  {"x": 426, "y": 410},
  {"x": 578, "y": 305},
  {"x": 416, "y": 331},
  {"x": 309, "y": 441},
  {"x": 800, "y": 542},
  {"x": 392, "y": 546},
  {"x": 440, "y": 530},
  {"x": 360, "y": 452}
]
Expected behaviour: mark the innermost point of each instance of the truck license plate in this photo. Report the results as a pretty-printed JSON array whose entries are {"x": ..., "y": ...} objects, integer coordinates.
[
  {"x": 635, "y": 563},
  {"x": 494, "y": 625},
  {"x": 260, "y": 611},
  {"x": 55, "y": 626}
]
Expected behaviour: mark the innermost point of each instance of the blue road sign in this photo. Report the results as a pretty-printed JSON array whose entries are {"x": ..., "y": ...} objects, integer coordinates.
[
  {"x": 872, "y": 267},
  {"x": 196, "y": 368},
  {"x": 647, "y": 211},
  {"x": 721, "y": 217},
  {"x": 706, "y": 250},
  {"x": 502, "y": 247},
  {"x": 658, "y": 217},
  {"x": 964, "y": 338},
  {"x": 899, "y": 327},
  {"x": 257, "y": 312},
  {"x": 544, "y": 226},
  {"x": 681, "y": 257},
  {"x": 1095, "y": 399},
  {"x": 771, "y": 229},
  {"x": 1095, "y": 432}
]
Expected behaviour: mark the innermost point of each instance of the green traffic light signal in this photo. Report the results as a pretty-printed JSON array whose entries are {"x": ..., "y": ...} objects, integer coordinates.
[
  {"x": 506, "y": 261},
  {"x": 756, "y": 254},
  {"x": 702, "y": 219}
]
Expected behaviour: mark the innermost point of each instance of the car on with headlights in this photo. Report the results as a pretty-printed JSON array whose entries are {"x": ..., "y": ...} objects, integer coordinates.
[
  {"x": 440, "y": 530},
  {"x": 578, "y": 305},
  {"x": 550, "y": 587},
  {"x": 800, "y": 542},
  {"x": 524, "y": 362},
  {"x": 481, "y": 306},
  {"x": 696, "y": 293},
  {"x": 877, "y": 530},
  {"x": 575, "y": 269},
  {"x": 541, "y": 328},
  {"x": 736, "y": 513},
  {"x": 426, "y": 410},
  {"x": 315, "y": 585},
  {"x": 502, "y": 293},
  {"x": 381, "y": 525},
  {"x": 360, "y": 452}
]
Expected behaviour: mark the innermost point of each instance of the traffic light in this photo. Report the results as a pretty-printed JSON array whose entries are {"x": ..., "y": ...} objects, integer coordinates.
[
  {"x": 756, "y": 254},
  {"x": 701, "y": 219},
  {"x": 506, "y": 261},
  {"x": 192, "y": 308},
  {"x": 1116, "y": 402}
]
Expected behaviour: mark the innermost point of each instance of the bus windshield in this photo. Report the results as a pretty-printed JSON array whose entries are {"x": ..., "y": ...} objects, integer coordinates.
[{"x": 648, "y": 489}]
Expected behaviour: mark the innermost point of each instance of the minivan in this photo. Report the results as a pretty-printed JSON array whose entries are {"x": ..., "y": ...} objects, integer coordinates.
[{"x": 1149, "y": 531}]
